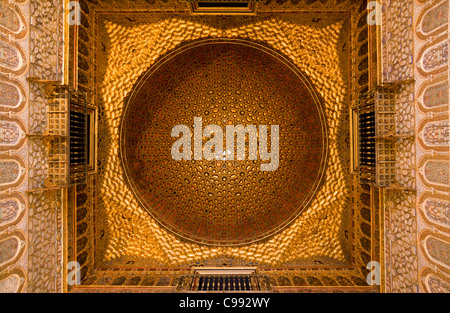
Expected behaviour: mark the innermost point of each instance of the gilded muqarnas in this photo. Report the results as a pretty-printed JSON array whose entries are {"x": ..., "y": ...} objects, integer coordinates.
[{"x": 314, "y": 49}]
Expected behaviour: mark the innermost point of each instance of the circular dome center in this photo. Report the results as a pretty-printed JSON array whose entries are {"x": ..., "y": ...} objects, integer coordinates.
[{"x": 223, "y": 201}]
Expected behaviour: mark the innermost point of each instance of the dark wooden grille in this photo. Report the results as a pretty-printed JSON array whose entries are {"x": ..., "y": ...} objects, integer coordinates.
[
  {"x": 79, "y": 135},
  {"x": 78, "y": 139},
  {"x": 367, "y": 139},
  {"x": 224, "y": 283}
]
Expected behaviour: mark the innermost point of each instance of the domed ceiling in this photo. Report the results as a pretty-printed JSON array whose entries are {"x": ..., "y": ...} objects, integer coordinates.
[
  {"x": 154, "y": 211},
  {"x": 136, "y": 240},
  {"x": 223, "y": 201}
]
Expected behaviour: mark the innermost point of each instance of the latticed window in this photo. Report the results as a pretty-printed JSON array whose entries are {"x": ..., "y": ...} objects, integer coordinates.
[
  {"x": 375, "y": 137},
  {"x": 79, "y": 133},
  {"x": 225, "y": 283},
  {"x": 366, "y": 128},
  {"x": 223, "y": 6},
  {"x": 224, "y": 280},
  {"x": 78, "y": 139}
]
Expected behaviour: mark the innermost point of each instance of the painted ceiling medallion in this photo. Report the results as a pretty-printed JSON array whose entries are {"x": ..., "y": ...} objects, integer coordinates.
[{"x": 223, "y": 201}]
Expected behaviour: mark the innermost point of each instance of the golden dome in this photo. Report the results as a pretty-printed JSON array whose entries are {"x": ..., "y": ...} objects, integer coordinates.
[{"x": 225, "y": 82}]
